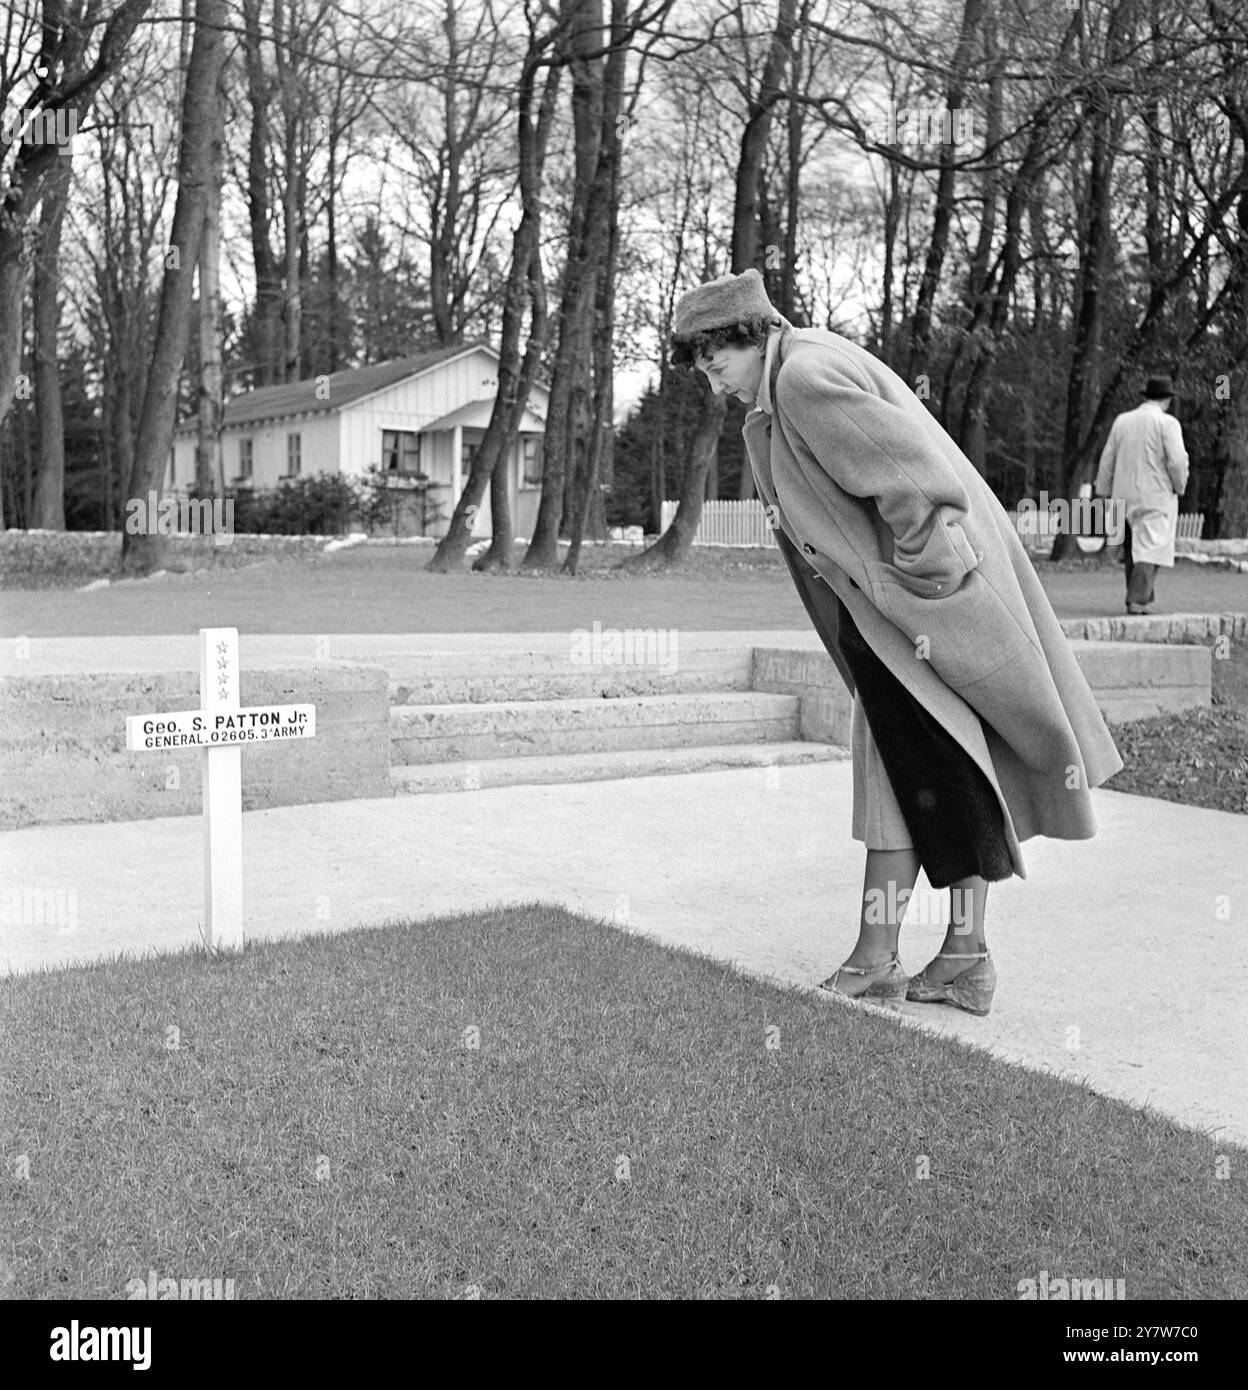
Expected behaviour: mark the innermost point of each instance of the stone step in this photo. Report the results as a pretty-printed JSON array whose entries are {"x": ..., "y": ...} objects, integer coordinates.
[
  {"x": 1137, "y": 680},
  {"x": 530, "y": 728},
  {"x": 601, "y": 767},
  {"x": 1130, "y": 680},
  {"x": 484, "y": 676}
]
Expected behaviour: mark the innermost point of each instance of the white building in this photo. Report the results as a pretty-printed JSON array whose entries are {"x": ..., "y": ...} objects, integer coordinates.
[{"x": 423, "y": 415}]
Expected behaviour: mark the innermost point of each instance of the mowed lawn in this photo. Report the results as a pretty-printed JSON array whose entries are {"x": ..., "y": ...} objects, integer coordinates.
[
  {"x": 382, "y": 588},
  {"x": 527, "y": 1103}
]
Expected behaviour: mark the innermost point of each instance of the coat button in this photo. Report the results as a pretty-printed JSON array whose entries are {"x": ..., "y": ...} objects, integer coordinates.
[{"x": 807, "y": 548}]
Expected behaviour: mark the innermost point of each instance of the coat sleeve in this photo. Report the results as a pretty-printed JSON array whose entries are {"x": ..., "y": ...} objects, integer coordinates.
[
  {"x": 873, "y": 448},
  {"x": 1176, "y": 453}
]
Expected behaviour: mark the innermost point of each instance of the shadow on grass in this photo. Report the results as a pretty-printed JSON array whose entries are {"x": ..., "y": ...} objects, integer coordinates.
[{"x": 528, "y": 1103}]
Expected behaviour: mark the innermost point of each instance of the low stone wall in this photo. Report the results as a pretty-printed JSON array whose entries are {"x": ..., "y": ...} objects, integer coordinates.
[
  {"x": 1238, "y": 548},
  {"x": 1158, "y": 627},
  {"x": 826, "y": 704},
  {"x": 1129, "y": 680},
  {"x": 42, "y": 559},
  {"x": 63, "y": 755}
]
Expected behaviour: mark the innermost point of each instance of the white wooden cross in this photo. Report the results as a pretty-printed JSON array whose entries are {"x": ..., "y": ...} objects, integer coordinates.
[{"x": 221, "y": 729}]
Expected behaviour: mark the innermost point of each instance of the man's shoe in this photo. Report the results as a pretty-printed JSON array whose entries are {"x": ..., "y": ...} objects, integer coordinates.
[
  {"x": 1136, "y": 609},
  {"x": 886, "y": 981},
  {"x": 971, "y": 989}
]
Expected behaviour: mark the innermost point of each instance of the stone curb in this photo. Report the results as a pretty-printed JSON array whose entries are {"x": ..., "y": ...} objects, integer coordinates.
[
  {"x": 1231, "y": 545},
  {"x": 1161, "y": 627},
  {"x": 1218, "y": 562}
]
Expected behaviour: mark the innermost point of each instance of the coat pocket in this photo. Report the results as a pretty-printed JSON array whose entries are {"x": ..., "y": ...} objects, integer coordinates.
[
  {"x": 967, "y": 632},
  {"x": 880, "y": 572}
]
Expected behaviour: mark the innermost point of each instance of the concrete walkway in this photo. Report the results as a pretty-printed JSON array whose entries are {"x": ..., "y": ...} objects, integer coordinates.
[
  {"x": 1122, "y": 960},
  {"x": 152, "y": 655}
]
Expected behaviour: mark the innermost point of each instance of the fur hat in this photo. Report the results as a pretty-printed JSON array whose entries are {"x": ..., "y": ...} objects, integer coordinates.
[
  {"x": 728, "y": 300},
  {"x": 1158, "y": 388}
]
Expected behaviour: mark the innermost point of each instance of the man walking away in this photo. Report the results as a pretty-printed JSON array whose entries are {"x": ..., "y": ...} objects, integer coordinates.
[{"x": 1145, "y": 464}]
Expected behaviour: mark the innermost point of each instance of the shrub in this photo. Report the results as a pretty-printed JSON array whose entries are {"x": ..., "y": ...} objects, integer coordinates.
[{"x": 323, "y": 505}]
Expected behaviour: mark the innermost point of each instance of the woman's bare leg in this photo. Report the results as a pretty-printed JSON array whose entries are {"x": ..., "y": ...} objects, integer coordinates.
[
  {"x": 887, "y": 884},
  {"x": 968, "y": 898}
]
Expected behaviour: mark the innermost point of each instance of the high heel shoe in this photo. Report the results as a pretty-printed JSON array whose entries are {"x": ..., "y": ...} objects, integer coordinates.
[
  {"x": 887, "y": 981},
  {"x": 971, "y": 989}
]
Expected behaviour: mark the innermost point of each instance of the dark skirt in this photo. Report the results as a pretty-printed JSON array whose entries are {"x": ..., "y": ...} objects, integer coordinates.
[{"x": 953, "y": 815}]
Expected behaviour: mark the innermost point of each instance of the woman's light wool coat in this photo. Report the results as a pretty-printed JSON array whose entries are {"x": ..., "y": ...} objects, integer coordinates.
[{"x": 885, "y": 512}]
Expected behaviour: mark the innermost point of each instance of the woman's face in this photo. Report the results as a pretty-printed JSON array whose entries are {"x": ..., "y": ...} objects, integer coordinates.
[{"x": 735, "y": 371}]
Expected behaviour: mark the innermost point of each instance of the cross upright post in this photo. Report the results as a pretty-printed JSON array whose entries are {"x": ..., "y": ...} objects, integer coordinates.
[
  {"x": 219, "y": 728},
  {"x": 223, "y": 795}
]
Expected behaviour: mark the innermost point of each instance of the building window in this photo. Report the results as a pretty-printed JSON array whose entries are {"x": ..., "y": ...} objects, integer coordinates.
[
  {"x": 246, "y": 458},
  {"x": 531, "y": 461},
  {"x": 400, "y": 451},
  {"x": 468, "y": 454},
  {"x": 294, "y": 455}
]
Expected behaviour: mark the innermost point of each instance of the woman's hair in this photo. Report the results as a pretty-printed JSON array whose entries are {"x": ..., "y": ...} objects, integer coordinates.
[{"x": 748, "y": 333}]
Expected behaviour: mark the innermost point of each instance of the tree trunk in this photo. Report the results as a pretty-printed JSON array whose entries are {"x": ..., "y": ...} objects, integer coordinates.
[
  {"x": 1230, "y": 506},
  {"x": 266, "y": 314},
  {"x": 566, "y": 416},
  {"x": 292, "y": 206},
  {"x": 795, "y": 126},
  {"x": 141, "y": 552},
  {"x": 447, "y": 210},
  {"x": 672, "y": 547},
  {"x": 49, "y": 502},
  {"x": 972, "y": 427},
  {"x": 602, "y": 242},
  {"x": 35, "y": 165},
  {"x": 921, "y": 331},
  {"x": 746, "y": 223},
  {"x": 1095, "y": 253},
  {"x": 333, "y": 289},
  {"x": 209, "y": 471},
  {"x": 514, "y": 379}
]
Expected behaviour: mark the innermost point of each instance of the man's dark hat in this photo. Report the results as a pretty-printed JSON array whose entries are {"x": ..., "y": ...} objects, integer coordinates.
[{"x": 1158, "y": 387}]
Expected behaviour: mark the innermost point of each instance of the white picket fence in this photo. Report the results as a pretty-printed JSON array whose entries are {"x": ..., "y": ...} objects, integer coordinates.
[
  {"x": 744, "y": 524},
  {"x": 728, "y": 523}
]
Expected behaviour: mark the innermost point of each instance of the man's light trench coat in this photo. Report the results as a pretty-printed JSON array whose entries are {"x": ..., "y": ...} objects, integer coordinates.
[
  {"x": 1145, "y": 465},
  {"x": 872, "y": 502}
]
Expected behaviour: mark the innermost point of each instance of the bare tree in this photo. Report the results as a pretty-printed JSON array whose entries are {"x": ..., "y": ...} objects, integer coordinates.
[
  {"x": 524, "y": 288},
  {"x": 61, "y": 93},
  {"x": 141, "y": 552},
  {"x": 674, "y": 544},
  {"x": 209, "y": 471},
  {"x": 49, "y": 509}
]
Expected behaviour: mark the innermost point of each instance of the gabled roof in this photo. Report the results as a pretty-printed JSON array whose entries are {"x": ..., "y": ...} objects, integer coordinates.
[
  {"x": 344, "y": 388},
  {"x": 475, "y": 415}
]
